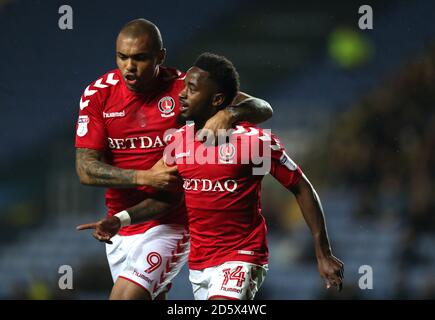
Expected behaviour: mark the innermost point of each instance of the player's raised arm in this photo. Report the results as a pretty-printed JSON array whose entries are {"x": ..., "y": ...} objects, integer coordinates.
[
  {"x": 251, "y": 109},
  {"x": 93, "y": 171},
  {"x": 243, "y": 108}
]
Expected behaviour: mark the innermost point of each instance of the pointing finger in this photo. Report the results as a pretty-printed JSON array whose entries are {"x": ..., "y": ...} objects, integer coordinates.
[{"x": 87, "y": 226}]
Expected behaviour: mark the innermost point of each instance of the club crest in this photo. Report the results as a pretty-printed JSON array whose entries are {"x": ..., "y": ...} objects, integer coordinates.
[
  {"x": 166, "y": 106},
  {"x": 227, "y": 152}
]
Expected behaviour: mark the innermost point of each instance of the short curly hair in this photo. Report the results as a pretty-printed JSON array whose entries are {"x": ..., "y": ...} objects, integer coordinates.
[{"x": 223, "y": 72}]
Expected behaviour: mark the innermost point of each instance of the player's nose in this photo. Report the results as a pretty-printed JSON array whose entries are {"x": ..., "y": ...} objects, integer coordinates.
[
  {"x": 182, "y": 94},
  {"x": 131, "y": 66}
]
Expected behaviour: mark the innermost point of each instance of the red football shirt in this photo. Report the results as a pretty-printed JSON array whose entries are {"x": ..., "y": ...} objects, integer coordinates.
[
  {"x": 130, "y": 128},
  {"x": 223, "y": 195}
]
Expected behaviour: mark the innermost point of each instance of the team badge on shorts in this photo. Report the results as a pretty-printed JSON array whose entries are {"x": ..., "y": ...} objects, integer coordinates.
[
  {"x": 82, "y": 128},
  {"x": 227, "y": 152},
  {"x": 166, "y": 106}
]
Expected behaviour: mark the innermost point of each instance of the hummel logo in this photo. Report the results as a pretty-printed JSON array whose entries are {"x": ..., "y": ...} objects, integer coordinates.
[
  {"x": 114, "y": 114},
  {"x": 182, "y": 154}
]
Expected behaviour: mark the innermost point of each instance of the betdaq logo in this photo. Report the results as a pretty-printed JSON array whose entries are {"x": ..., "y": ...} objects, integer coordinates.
[
  {"x": 144, "y": 142},
  {"x": 206, "y": 185}
]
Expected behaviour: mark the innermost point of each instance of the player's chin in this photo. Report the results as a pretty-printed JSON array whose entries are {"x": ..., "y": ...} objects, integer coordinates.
[
  {"x": 133, "y": 83},
  {"x": 132, "y": 87},
  {"x": 182, "y": 118}
]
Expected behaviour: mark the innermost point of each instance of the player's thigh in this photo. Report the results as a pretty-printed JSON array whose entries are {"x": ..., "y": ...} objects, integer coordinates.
[
  {"x": 236, "y": 280},
  {"x": 127, "y": 290},
  {"x": 124, "y": 289},
  {"x": 200, "y": 280},
  {"x": 117, "y": 252},
  {"x": 156, "y": 258}
]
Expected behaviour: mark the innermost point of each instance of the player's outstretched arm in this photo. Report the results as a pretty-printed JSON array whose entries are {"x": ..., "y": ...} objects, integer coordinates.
[
  {"x": 93, "y": 171},
  {"x": 330, "y": 268},
  {"x": 151, "y": 208},
  {"x": 243, "y": 108}
]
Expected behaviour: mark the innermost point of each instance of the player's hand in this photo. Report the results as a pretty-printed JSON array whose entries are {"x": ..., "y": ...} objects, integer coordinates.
[
  {"x": 331, "y": 270},
  {"x": 160, "y": 176},
  {"x": 104, "y": 229},
  {"x": 222, "y": 120}
]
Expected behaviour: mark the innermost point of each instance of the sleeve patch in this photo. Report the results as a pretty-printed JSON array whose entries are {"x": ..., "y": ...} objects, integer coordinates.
[
  {"x": 288, "y": 162},
  {"x": 82, "y": 127}
]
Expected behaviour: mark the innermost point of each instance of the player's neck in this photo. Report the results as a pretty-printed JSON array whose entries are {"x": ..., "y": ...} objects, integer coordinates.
[
  {"x": 200, "y": 123},
  {"x": 149, "y": 89},
  {"x": 201, "y": 119}
]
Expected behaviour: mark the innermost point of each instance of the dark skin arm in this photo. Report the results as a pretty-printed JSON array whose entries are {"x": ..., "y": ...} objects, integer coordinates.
[
  {"x": 151, "y": 208},
  {"x": 243, "y": 108},
  {"x": 248, "y": 108},
  {"x": 330, "y": 268},
  {"x": 92, "y": 170}
]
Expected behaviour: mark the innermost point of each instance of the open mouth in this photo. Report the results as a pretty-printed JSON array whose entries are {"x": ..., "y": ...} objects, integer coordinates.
[
  {"x": 183, "y": 106},
  {"x": 130, "y": 78}
]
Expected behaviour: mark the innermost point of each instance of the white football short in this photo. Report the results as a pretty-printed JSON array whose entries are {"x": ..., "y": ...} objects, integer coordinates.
[
  {"x": 150, "y": 259},
  {"x": 233, "y": 280}
]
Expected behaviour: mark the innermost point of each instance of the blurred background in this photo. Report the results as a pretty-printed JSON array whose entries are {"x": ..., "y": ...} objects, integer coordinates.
[{"x": 355, "y": 108}]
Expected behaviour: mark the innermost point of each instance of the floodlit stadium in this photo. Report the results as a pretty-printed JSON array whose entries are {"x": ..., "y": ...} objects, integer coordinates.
[{"x": 353, "y": 94}]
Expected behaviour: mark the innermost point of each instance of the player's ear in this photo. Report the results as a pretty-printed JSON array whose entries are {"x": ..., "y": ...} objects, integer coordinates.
[
  {"x": 161, "y": 56},
  {"x": 218, "y": 100}
]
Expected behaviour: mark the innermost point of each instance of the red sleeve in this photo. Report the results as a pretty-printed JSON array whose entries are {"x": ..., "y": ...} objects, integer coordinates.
[
  {"x": 283, "y": 168},
  {"x": 90, "y": 129},
  {"x": 266, "y": 154}
]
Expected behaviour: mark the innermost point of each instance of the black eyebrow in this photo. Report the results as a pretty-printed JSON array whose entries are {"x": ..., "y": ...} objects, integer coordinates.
[{"x": 141, "y": 54}]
